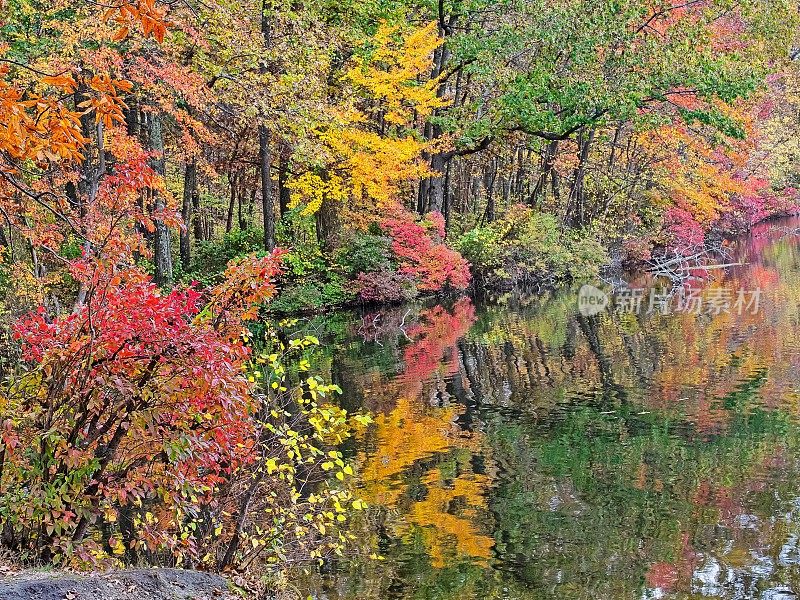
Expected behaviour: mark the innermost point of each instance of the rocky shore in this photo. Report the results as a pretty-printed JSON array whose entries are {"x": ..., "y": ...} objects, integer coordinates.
[{"x": 134, "y": 584}]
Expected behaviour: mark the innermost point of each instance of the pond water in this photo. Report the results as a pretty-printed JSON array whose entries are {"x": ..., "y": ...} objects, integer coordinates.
[{"x": 523, "y": 450}]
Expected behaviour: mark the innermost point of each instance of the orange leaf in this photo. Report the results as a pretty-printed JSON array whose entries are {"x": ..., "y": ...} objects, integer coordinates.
[
  {"x": 121, "y": 34},
  {"x": 65, "y": 82}
]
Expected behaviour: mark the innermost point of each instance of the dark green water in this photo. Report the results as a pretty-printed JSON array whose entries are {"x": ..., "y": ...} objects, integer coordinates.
[{"x": 522, "y": 450}]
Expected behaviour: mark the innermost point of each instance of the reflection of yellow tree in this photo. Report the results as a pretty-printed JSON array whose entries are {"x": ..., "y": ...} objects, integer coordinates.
[
  {"x": 406, "y": 441},
  {"x": 403, "y": 437},
  {"x": 421, "y": 458},
  {"x": 449, "y": 530}
]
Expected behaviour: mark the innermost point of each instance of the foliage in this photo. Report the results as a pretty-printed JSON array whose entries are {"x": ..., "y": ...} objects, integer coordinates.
[
  {"x": 358, "y": 164},
  {"x": 682, "y": 231},
  {"x": 595, "y": 113},
  {"x": 393, "y": 263},
  {"x": 213, "y": 256},
  {"x": 526, "y": 247},
  {"x": 314, "y": 293},
  {"x": 422, "y": 254},
  {"x": 121, "y": 400},
  {"x": 291, "y": 506},
  {"x": 138, "y": 425},
  {"x": 366, "y": 253},
  {"x": 391, "y": 69},
  {"x": 305, "y": 257}
]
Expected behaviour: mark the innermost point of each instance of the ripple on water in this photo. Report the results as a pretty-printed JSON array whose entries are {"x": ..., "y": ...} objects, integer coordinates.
[{"x": 521, "y": 451}]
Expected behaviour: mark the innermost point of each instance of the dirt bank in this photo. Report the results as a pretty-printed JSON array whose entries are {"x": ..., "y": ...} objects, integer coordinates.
[{"x": 134, "y": 584}]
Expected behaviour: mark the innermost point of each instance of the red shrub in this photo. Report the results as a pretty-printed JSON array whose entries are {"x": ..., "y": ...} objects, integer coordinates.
[
  {"x": 385, "y": 286},
  {"x": 138, "y": 395},
  {"x": 683, "y": 232},
  {"x": 422, "y": 254}
]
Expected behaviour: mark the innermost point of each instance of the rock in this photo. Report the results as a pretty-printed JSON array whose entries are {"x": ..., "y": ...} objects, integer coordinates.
[{"x": 134, "y": 584}]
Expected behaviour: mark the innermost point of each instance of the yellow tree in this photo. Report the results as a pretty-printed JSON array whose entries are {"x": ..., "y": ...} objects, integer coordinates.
[{"x": 369, "y": 148}]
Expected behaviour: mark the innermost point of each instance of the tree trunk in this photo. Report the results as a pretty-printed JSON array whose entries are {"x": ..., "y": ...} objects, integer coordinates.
[
  {"x": 268, "y": 206},
  {"x": 613, "y": 154},
  {"x": 162, "y": 251},
  {"x": 197, "y": 217},
  {"x": 488, "y": 184},
  {"x": 284, "y": 193},
  {"x": 520, "y": 174},
  {"x": 555, "y": 184},
  {"x": 436, "y": 190},
  {"x": 327, "y": 226},
  {"x": 251, "y": 205},
  {"x": 422, "y": 195},
  {"x": 242, "y": 195},
  {"x": 576, "y": 207},
  {"x": 189, "y": 200},
  {"x": 548, "y": 162},
  {"x": 233, "y": 179},
  {"x": 264, "y": 149},
  {"x": 92, "y": 171},
  {"x": 446, "y": 208},
  {"x": 162, "y": 242},
  {"x": 431, "y": 196},
  {"x": 134, "y": 120}
]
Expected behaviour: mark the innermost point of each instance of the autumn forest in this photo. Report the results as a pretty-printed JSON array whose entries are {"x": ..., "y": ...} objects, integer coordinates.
[{"x": 286, "y": 290}]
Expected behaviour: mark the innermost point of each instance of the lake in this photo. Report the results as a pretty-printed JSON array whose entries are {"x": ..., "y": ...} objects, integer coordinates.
[{"x": 522, "y": 449}]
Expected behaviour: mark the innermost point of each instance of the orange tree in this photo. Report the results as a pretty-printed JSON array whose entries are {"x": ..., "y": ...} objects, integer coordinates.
[{"x": 140, "y": 425}]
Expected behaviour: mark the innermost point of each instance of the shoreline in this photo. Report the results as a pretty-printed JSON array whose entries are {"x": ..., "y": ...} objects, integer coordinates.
[{"x": 614, "y": 266}]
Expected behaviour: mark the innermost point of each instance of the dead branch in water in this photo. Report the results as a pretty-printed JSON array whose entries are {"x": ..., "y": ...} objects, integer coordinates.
[{"x": 682, "y": 265}]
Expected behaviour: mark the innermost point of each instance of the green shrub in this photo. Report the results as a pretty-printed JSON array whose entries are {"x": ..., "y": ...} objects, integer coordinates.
[
  {"x": 527, "y": 247},
  {"x": 71, "y": 248},
  {"x": 212, "y": 256},
  {"x": 366, "y": 253},
  {"x": 298, "y": 235},
  {"x": 313, "y": 293},
  {"x": 303, "y": 261}
]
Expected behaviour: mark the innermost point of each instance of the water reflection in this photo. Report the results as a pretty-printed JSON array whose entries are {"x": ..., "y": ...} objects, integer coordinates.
[{"x": 521, "y": 450}]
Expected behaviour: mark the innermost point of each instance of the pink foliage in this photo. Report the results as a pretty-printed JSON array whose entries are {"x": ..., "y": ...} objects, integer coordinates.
[
  {"x": 435, "y": 223},
  {"x": 384, "y": 286},
  {"x": 766, "y": 108},
  {"x": 683, "y": 231},
  {"x": 422, "y": 255},
  {"x": 758, "y": 203},
  {"x": 435, "y": 337}
]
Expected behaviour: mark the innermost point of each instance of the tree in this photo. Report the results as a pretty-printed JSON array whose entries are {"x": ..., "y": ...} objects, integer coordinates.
[{"x": 128, "y": 416}]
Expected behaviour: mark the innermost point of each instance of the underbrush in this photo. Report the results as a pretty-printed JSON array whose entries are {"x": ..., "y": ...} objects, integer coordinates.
[{"x": 526, "y": 247}]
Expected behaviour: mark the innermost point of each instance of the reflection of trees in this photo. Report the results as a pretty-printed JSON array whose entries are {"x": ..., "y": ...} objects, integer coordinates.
[
  {"x": 592, "y": 457},
  {"x": 590, "y": 502},
  {"x": 596, "y": 500},
  {"x": 421, "y": 457},
  {"x": 590, "y": 326}
]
